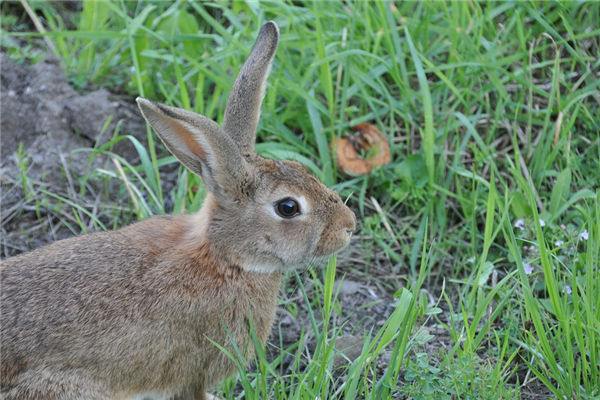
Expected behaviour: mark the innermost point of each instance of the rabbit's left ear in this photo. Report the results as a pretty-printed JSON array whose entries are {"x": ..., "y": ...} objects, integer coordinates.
[
  {"x": 243, "y": 106},
  {"x": 201, "y": 145}
]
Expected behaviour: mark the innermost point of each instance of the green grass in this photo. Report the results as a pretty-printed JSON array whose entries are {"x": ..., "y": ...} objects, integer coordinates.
[{"x": 492, "y": 197}]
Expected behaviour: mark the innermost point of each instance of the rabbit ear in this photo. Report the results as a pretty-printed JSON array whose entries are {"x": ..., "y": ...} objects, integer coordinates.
[
  {"x": 243, "y": 105},
  {"x": 200, "y": 144}
]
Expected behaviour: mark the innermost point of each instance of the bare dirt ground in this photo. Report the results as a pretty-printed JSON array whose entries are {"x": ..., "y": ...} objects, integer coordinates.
[{"x": 42, "y": 115}]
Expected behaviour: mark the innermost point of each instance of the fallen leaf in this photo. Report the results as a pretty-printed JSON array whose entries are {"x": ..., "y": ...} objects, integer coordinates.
[{"x": 361, "y": 151}]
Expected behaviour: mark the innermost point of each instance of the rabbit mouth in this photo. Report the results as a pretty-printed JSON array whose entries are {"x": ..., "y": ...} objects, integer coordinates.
[{"x": 331, "y": 248}]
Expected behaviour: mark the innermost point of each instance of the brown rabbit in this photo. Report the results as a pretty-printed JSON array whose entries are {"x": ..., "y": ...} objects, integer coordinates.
[{"x": 136, "y": 313}]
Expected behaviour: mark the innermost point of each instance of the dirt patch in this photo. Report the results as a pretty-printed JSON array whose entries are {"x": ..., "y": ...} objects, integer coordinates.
[
  {"x": 42, "y": 115},
  {"x": 41, "y": 111}
]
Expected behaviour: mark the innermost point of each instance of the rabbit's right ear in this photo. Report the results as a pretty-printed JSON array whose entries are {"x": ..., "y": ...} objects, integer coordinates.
[
  {"x": 243, "y": 105},
  {"x": 201, "y": 145}
]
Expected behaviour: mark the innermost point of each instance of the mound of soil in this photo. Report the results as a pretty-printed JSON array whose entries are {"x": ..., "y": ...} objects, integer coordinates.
[{"x": 41, "y": 111}]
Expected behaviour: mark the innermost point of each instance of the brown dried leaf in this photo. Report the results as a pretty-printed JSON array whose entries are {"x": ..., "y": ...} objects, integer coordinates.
[{"x": 360, "y": 152}]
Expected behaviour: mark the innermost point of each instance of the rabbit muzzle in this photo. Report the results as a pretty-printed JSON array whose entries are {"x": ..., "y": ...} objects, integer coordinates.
[{"x": 338, "y": 233}]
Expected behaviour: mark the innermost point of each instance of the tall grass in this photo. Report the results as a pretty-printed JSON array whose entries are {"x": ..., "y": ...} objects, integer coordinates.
[{"x": 490, "y": 206}]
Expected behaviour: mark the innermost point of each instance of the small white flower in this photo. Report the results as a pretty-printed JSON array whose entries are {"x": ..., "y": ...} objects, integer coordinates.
[
  {"x": 520, "y": 224},
  {"x": 559, "y": 243},
  {"x": 584, "y": 235},
  {"x": 567, "y": 289},
  {"x": 542, "y": 223},
  {"x": 528, "y": 268}
]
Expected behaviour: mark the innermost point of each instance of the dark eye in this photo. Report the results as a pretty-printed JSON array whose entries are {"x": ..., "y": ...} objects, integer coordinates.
[{"x": 287, "y": 208}]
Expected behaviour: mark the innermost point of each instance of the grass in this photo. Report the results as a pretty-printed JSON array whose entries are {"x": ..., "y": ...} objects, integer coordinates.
[{"x": 491, "y": 201}]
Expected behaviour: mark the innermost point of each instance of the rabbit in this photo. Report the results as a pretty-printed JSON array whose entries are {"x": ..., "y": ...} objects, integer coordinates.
[{"x": 141, "y": 312}]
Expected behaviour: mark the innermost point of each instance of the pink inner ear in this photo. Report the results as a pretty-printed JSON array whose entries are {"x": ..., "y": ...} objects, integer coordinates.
[
  {"x": 186, "y": 138},
  {"x": 194, "y": 146}
]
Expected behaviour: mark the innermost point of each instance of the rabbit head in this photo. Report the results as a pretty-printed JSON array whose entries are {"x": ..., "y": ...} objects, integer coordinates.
[{"x": 263, "y": 215}]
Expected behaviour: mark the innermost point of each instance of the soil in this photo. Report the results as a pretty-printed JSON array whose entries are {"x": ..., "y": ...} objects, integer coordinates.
[{"x": 42, "y": 115}]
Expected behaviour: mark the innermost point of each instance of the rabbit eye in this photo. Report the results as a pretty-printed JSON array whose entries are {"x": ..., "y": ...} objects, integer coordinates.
[{"x": 287, "y": 208}]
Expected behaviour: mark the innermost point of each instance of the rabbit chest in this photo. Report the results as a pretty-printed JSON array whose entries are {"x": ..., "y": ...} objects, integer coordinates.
[
  {"x": 209, "y": 306},
  {"x": 240, "y": 301}
]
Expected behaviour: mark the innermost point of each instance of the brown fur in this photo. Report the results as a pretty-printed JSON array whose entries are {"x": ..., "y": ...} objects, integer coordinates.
[
  {"x": 144, "y": 309},
  {"x": 167, "y": 280}
]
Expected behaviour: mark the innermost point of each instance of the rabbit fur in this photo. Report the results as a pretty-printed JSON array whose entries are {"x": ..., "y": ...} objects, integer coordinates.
[{"x": 138, "y": 312}]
